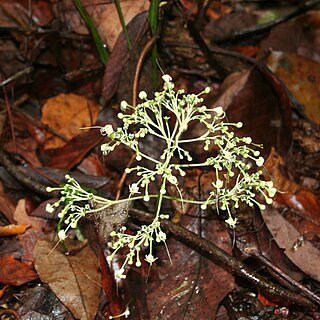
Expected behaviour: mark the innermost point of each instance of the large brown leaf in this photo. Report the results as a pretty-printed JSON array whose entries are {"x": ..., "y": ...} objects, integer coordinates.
[
  {"x": 75, "y": 279},
  {"x": 192, "y": 286}
]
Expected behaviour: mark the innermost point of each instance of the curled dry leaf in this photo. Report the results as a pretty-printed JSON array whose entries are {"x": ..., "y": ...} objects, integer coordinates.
[{"x": 12, "y": 229}]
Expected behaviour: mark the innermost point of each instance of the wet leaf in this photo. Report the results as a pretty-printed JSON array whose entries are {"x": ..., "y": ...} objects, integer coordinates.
[
  {"x": 74, "y": 151},
  {"x": 120, "y": 54},
  {"x": 15, "y": 272},
  {"x": 302, "y": 77},
  {"x": 192, "y": 286},
  {"x": 40, "y": 303},
  {"x": 12, "y": 229},
  {"x": 300, "y": 36},
  {"x": 66, "y": 114},
  {"x": 74, "y": 279},
  {"x": 300, "y": 251},
  {"x": 109, "y": 287}
]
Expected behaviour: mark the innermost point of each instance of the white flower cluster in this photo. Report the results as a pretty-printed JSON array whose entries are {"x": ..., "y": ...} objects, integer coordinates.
[{"x": 167, "y": 117}]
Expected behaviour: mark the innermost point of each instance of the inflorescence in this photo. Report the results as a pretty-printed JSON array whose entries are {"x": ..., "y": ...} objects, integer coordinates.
[{"x": 168, "y": 117}]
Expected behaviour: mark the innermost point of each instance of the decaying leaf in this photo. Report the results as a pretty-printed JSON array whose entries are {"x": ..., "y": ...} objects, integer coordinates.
[
  {"x": 299, "y": 250},
  {"x": 28, "y": 239},
  {"x": 302, "y": 77},
  {"x": 15, "y": 272},
  {"x": 74, "y": 279},
  {"x": 12, "y": 229},
  {"x": 104, "y": 15},
  {"x": 66, "y": 114}
]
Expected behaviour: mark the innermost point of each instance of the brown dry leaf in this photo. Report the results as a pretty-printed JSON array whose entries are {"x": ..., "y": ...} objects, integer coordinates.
[
  {"x": 192, "y": 287},
  {"x": 300, "y": 35},
  {"x": 105, "y": 17},
  {"x": 302, "y": 77},
  {"x": 66, "y": 114},
  {"x": 26, "y": 148},
  {"x": 12, "y": 229},
  {"x": 21, "y": 217},
  {"x": 301, "y": 252},
  {"x": 6, "y": 205},
  {"x": 14, "y": 272},
  {"x": 75, "y": 279},
  {"x": 28, "y": 239}
]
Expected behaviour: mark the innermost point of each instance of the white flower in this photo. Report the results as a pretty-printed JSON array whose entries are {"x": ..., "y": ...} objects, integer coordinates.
[
  {"x": 123, "y": 105},
  {"x": 150, "y": 258},
  {"x": 219, "y": 184},
  {"x": 232, "y": 222},
  {"x": 119, "y": 274},
  {"x": 259, "y": 162},
  {"x": 247, "y": 140},
  {"x": 166, "y": 78},
  {"x": 218, "y": 110},
  {"x": 49, "y": 208},
  {"x": 134, "y": 188},
  {"x": 207, "y": 90},
  {"x": 62, "y": 235},
  {"x": 143, "y": 95},
  {"x": 49, "y": 189},
  {"x": 106, "y": 130}
]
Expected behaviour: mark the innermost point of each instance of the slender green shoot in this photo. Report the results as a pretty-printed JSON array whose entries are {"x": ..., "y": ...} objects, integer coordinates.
[{"x": 100, "y": 45}]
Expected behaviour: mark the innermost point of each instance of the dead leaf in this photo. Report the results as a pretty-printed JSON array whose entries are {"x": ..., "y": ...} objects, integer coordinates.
[
  {"x": 74, "y": 279},
  {"x": 66, "y": 114},
  {"x": 300, "y": 35},
  {"x": 302, "y": 77},
  {"x": 12, "y": 229},
  {"x": 192, "y": 287},
  {"x": 300, "y": 251},
  {"x": 21, "y": 217},
  {"x": 118, "y": 58},
  {"x": 104, "y": 16},
  {"x": 6, "y": 205},
  {"x": 40, "y": 303},
  {"x": 74, "y": 151},
  {"x": 15, "y": 272},
  {"x": 28, "y": 239}
]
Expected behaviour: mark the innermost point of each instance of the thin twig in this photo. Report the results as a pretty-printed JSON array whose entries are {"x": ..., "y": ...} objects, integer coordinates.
[
  {"x": 16, "y": 76},
  {"x": 229, "y": 262},
  {"x": 254, "y": 252},
  {"x": 148, "y": 46},
  {"x": 257, "y": 29}
]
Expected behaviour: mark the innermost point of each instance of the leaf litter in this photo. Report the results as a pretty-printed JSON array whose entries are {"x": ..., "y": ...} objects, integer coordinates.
[{"x": 192, "y": 286}]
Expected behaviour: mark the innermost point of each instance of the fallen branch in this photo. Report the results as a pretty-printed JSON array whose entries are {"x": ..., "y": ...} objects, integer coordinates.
[{"x": 214, "y": 253}]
